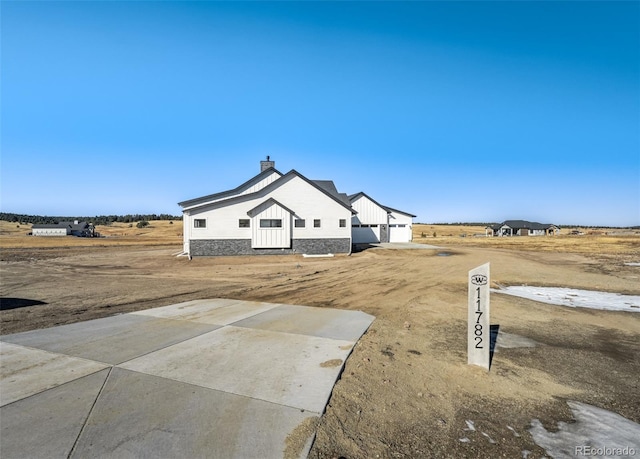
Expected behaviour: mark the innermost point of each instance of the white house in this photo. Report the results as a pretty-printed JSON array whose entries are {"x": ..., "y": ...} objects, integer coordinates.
[{"x": 275, "y": 213}]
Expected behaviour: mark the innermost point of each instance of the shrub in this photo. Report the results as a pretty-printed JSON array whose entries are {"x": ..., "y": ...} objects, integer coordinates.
[{"x": 142, "y": 224}]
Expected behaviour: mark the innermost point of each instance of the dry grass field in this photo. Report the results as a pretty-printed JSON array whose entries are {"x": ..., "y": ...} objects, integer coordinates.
[
  {"x": 160, "y": 232},
  {"x": 406, "y": 390}
]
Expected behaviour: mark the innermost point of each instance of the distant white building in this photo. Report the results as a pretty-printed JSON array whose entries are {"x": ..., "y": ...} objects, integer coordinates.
[
  {"x": 275, "y": 213},
  {"x": 75, "y": 228}
]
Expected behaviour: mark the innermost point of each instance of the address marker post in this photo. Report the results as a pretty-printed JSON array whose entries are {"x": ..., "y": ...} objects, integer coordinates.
[{"x": 478, "y": 330}]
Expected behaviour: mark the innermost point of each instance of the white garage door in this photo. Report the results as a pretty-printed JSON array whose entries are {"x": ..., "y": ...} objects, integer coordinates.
[
  {"x": 399, "y": 233},
  {"x": 365, "y": 234}
]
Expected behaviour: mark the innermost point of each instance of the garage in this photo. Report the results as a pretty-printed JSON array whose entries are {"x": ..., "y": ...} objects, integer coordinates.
[
  {"x": 399, "y": 232},
  {"x": 365, "y": 234}
]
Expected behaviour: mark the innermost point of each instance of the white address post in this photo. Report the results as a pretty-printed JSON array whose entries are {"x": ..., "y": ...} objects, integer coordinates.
[{"x": 478, "y": 330}]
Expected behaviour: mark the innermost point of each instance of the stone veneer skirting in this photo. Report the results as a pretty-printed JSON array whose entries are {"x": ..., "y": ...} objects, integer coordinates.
[{"x": 217, "y": 247}]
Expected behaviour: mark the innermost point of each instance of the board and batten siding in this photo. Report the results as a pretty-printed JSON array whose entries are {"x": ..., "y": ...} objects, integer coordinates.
[
  {"x": 252, "y": 188},
  {"x": 262, "y": 238},
  {"x": 304, "y": 200},
  {"x": 368, "y": 212},
  {"x": 262, "y": 183}
]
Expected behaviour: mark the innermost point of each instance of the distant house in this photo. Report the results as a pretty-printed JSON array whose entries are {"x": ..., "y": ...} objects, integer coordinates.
[
  {"x": 522, "y": 228},
  {"x": 275, "y": 213},
  {"x": 75, "y": 228}
]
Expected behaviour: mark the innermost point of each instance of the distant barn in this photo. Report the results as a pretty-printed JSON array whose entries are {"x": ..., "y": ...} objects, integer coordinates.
[{"x": 74, "y": 228}]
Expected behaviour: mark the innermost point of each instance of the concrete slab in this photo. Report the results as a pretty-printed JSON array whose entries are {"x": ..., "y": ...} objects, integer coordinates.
[
  {"x": 25, "y": 372},
  {"x": 290, "y": 369},
  {"x": 138, "y": 415},
  {"x": 187, "y": 382},
  {"x": 47, "y": 424},
  {"x": 305, "y": 320},
  {"x": 113, "y": 339},
  {"x": 217, "y": 311}
]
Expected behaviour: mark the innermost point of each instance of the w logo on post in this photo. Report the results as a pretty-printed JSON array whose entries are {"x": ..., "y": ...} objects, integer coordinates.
[{"x": 479, "y": 279}]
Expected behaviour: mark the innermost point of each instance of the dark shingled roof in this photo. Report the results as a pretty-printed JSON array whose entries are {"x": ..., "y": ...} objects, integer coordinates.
[
  {"x": 355, "y": 196},
  {"x": 72, "y": 225},
  {"x": 522, "y": 224},
  {"x": 330, "y": 187},
  {"x": 339, "y": 198}
]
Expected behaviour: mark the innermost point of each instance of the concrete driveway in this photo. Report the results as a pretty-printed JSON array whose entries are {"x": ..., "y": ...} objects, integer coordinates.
[{"x": 207, "y": 378}]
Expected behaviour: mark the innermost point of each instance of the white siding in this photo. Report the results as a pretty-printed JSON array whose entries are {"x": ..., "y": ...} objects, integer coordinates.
[
  {"x": 262, "y": 183},
  {"x": 273, "y": 176},
  {"x": 306, "y": 201},
  {"x": 368, "y": 212},
  {"x": 186, "y": 231},
  {"x": 271, "y": 237},
  {"x": 400, "y": 227},
  {"x": 49, "y": 232},
  {"x": 371, "y": 215},
  {"x": 366, "y": 235}
]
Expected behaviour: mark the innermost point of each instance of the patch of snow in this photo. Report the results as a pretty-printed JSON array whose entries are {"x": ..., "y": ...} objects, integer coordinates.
[
  {"x": 595, "y": 433},
  {"x": 525, "y": 453},
  {"x": 512, "y": 341},
  {"x": 470, "y": 426},
  {"x": 632, "y": 264},
  {"x": 464, "y": 440},
  {"x": 516, "y": 434},
  {"x": 575, "y": 297},
  {"x": 491, "y": 440}
]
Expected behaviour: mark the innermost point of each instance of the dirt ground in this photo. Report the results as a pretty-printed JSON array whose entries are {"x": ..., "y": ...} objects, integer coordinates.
[{"x": 406, "y": 390}]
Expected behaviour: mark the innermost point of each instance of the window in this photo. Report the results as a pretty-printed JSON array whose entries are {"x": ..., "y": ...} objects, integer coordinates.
[
  {"x": 200, "y": 223},
  {"x": 243, "y": 223},
  {"x": 316, "y": 223},
  {"x": 343, "y": 223},
  {"x": 270, "y": 223},
  {"x": 299, "y": 223}
]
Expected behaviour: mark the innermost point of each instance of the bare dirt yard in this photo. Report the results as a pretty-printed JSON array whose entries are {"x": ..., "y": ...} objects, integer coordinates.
[{"x": 406, "y": 390}]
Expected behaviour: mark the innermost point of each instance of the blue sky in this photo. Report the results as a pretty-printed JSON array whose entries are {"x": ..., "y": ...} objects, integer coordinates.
[{"x": 454, "y": 111}]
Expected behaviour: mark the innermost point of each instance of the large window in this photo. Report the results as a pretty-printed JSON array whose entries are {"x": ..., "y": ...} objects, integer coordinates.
[
  {"x": 200, "y": 223},
  {"x": 316, "y": 223},
  {"x": 343, "y": 223},
  {"x": 243, "y": 223},
  {"x": 270, "y": 223},
  {"x": 299, "y": 223}
]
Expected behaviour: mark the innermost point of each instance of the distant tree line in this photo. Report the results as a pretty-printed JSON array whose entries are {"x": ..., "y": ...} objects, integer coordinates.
[
  {"x": 97, "y": 220},
  {"x": 561, "y": 226},
  {"x": 460, "y": 224}
]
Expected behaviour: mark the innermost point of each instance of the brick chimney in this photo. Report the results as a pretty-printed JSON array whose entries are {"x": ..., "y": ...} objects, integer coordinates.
[{"x": 264, "y": 165}]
